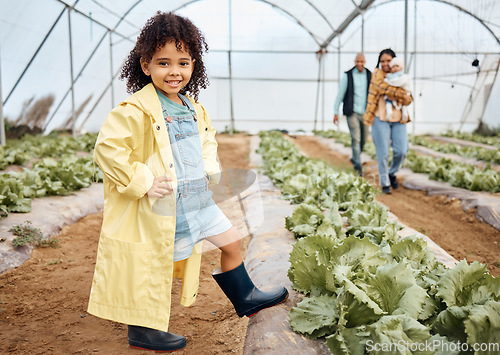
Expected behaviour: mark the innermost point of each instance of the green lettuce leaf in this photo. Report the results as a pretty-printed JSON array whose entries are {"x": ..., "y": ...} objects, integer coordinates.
[
  {"x": 309, "y": 259},
  {"x": 371, "y": 214},
  {"x": 353, "y": 259},
  {"x": 461, "y": 285},
  {"x": 347, "y": 341},
  {"x": 304, "y": 220},
  {"x": 442, "y": 346},
  {"x": 356, "y": 307},
  {"x": 450, "y": 323},
  {"x": 394, "y": 288},
  {"x": 315, "y": 316},
  {"x": 397, "y": 334},
  {"x": 483, "y": 326},
  {"x": 416, "y": 251}
]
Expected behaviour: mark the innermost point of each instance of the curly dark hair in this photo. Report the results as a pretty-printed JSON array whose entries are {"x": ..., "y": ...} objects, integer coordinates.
[{"x": 158, "y": 30}]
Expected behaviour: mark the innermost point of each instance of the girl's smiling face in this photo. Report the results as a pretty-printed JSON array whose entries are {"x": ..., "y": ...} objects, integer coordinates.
[{"x": 170, "y": 69}]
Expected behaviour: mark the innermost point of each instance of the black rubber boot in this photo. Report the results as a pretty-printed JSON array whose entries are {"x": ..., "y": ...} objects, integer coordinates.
[
  {"x": 394, "y": 181},
  {"x": 245, "y": 297},
  {"x": 152, "y": 339}
]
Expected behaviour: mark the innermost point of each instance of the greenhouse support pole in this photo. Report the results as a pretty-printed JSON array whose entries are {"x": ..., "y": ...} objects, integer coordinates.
[
  {"x": 406, "y": 36},
  {"x": 2, "y": 121},
  {"x": 111, "y": 69},
  {"x": 231, "y": 108},
  {"x": 339, "y": 73},
  {"x": 99, "y": 99},
  {"x": 339, "y": 66},
  {"x": 363, "y": 32},
  {"x": 319, "y": 55},
  {"x": 323, "y": 94},
  {"x": 414, "y": 66},
  {"x": 73, "y": 118},
  {"x": 34, "y": 55},
  {"x": 61, "y": 101}
]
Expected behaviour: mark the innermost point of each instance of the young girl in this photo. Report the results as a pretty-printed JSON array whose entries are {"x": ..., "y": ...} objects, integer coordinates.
[{"x": 158, "y": 153}]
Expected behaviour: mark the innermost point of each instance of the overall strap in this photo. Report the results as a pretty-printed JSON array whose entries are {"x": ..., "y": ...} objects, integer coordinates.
[
  {"x": 186, "y": 102},
  {"x": 165, "y": 114},
  {"x": 189, "y": 106}
]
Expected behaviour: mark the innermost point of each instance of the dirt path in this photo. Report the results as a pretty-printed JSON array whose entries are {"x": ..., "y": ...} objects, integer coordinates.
[
  {"x": 43, "y": 302},
  {"x": 443, "y": 220}
]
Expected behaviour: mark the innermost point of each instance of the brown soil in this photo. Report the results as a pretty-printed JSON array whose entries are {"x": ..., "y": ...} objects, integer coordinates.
[
  {"x": 441, "y": 219},
  {"x": 43, "y": 302}
]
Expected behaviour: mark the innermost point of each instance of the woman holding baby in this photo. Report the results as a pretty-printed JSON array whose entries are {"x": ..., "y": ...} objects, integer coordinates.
[{"x": 385, "y": 106}]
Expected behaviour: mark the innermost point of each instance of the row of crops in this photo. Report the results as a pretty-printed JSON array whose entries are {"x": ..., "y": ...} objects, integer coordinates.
[
  {"x": 492, "y": 140},
  {"x": 479, "y": 153},
  {"x": 458, "y": 174},
  {"x": 55, "y": 169},
  {"x": 369, "y": 291}
]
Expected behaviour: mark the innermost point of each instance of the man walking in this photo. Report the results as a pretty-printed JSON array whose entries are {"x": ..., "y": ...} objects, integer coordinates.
[{"x": 353, "y": 91}]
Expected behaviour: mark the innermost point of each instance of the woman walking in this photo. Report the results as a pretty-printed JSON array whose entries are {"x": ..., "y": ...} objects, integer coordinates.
[{"x": 387, "y": 130}]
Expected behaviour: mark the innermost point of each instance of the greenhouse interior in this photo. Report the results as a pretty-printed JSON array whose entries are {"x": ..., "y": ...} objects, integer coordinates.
[
  {"x": 259, "y": 51},
  {"x": 379, "y": 228}
]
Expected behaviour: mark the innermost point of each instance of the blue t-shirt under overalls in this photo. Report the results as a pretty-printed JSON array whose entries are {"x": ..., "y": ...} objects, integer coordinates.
[{"x": 197, "y": 215}]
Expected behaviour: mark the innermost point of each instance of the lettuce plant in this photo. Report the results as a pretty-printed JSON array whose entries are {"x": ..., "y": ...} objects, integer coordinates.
[{"x": 367, "y": 289}]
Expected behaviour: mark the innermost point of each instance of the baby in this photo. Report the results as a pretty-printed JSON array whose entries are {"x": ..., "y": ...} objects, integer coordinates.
[{"x": 397, "y": 78}]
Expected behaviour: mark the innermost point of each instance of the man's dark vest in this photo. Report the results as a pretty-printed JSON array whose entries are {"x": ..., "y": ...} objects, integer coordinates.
[{"x": 348, "y": 108}]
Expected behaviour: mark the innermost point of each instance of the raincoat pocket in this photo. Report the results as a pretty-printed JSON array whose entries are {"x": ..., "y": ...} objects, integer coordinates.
[
  {"x": 164, "y": 206},
  {"x": 123, "y": 273}
]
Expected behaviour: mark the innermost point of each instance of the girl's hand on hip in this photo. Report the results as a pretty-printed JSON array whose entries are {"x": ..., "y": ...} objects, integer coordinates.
[{"x": 161, "y": 187}]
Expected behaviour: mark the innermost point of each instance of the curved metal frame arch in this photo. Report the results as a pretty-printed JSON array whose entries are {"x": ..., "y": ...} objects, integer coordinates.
[
  {"x": 74, "y": 79},
  {"x": 126, "y": 14},
  {"x": 365, "y": 4},
  {"x": 281, "y": 9},
  {"x": 359, "y": 9},
  {"x": 461, "y": 9},
  {"x": 193, "y": 1},
  {"x": 320, "y": 13},
  {"x": 264, "y": 1},
  {"x": 470, "y": 14},
  {"x": 69, "y": 8}
]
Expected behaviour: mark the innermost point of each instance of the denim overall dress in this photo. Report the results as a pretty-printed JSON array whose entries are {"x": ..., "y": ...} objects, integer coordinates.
[{"x": 197, "y": 215}]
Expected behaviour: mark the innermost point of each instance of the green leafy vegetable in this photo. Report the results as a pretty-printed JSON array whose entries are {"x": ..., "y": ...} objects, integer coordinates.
[{"x": 368, "y": 290}]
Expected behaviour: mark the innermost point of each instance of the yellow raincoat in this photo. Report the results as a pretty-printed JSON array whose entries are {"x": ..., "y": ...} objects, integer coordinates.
[{"x": 134, "y": 269}]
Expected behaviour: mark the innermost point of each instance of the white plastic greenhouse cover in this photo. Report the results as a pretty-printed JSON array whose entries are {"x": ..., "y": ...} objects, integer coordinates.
[{"x": 273, "y": 64}]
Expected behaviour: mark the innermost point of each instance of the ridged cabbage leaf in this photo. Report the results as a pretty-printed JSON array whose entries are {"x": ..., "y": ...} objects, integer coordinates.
[
  {"x": 347, "y": 341},
  {"x": 483, "y": 326},
  {"x": 316, "y": 316},
  {"x": 309, "y": 260},
  {"x": 353, "y": 259},
  {"x": 466, "y": 284},
  {"x": 466, "y": 289},
  {"x": 395, "y": 334},
  {"x": 369, "y": 286},
  {"x": 394, "y": 288}
]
